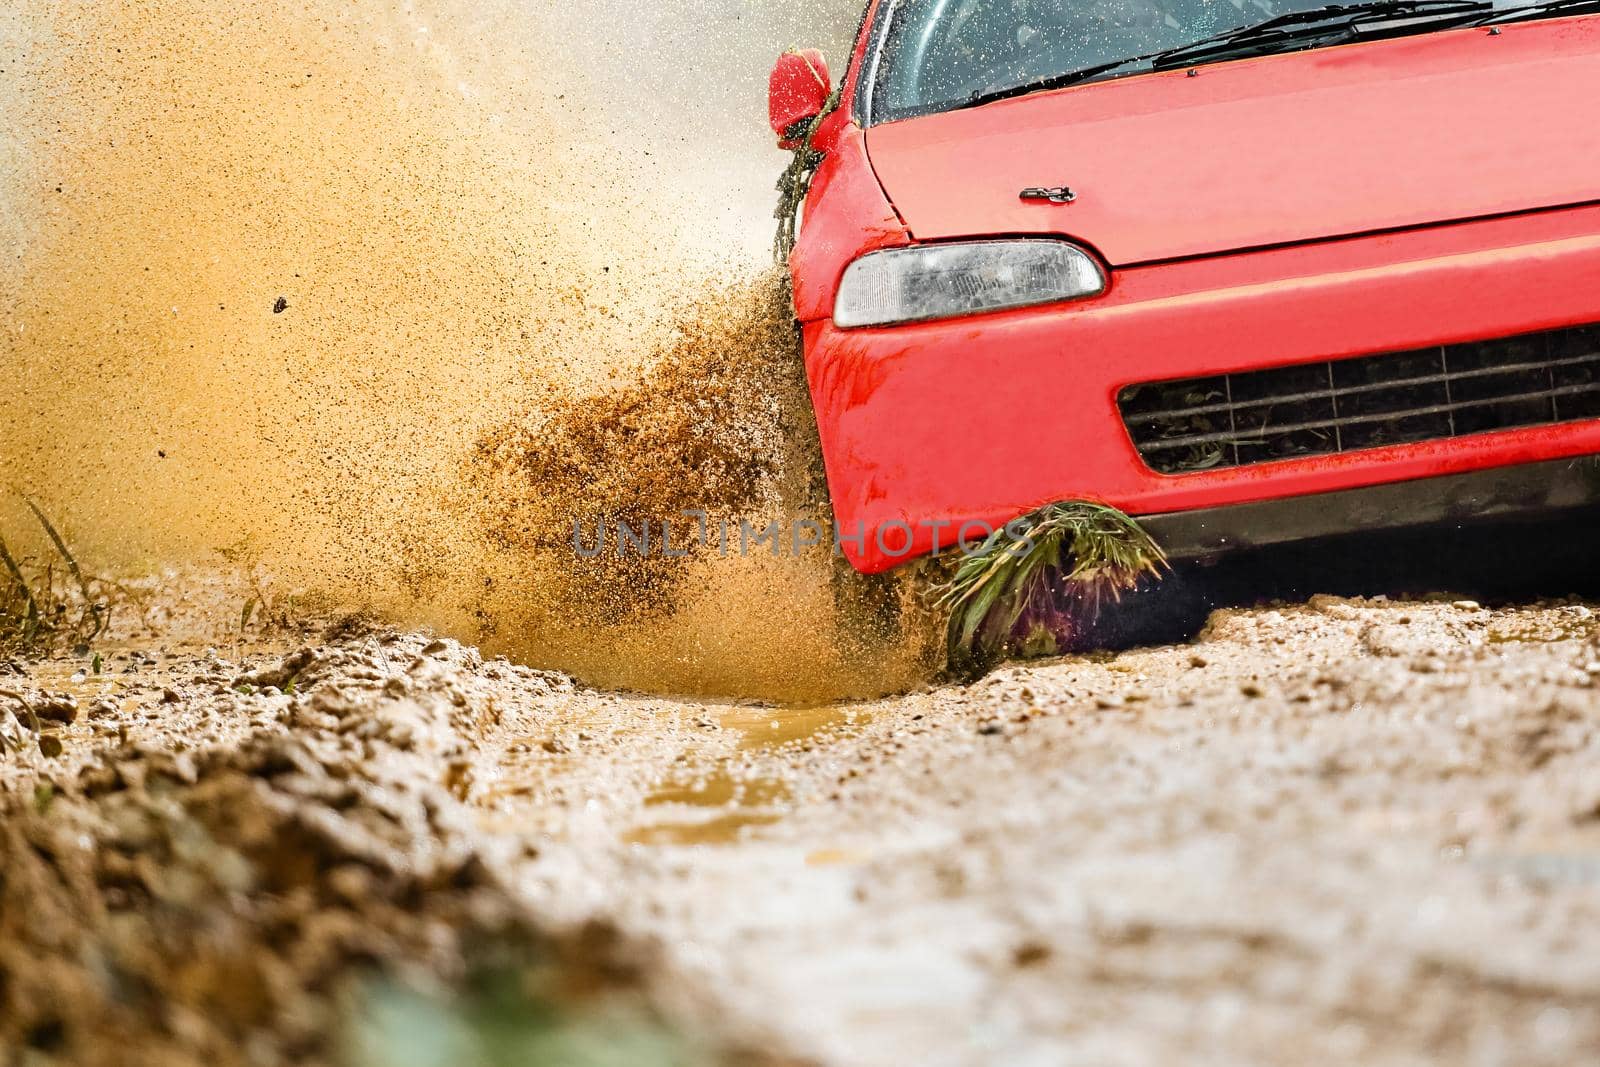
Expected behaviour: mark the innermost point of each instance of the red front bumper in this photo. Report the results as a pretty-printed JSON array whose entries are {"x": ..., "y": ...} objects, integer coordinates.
[{"x": 928, "y": 427}]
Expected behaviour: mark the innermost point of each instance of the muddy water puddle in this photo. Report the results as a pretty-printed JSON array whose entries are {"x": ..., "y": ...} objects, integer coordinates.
[
  {"x": 720, "y": 789},
  {"x": 721, "y": 830},
  {"x": 768, "y": 728},
  {"x": 727, "y": 801},
  {"x": 730, "y": 798}
]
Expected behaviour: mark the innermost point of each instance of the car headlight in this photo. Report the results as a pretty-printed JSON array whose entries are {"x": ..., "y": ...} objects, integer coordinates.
[{"x": 944, "y": 280}]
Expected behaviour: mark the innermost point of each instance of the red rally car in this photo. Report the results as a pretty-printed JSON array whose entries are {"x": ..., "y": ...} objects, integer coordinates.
[{"x": 1248, "y": 270}]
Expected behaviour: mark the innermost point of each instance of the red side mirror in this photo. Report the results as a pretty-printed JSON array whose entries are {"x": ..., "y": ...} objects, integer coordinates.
[{"x": 796, "y": 94}]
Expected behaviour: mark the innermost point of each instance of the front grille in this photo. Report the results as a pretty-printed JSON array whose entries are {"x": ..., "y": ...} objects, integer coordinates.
[{"x": 1313, "y": 409}]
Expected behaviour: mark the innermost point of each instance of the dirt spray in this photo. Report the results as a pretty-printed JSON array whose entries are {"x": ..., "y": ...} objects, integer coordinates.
[{"x": 383, "y": 297}]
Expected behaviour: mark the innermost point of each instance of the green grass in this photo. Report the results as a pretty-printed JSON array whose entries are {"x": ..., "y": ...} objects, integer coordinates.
[
  {"x": 1031, "y": 589},
  {"x": 51, "y": 601}
]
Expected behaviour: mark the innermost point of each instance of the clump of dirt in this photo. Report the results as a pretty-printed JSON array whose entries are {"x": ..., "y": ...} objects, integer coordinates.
[{"x": 162, "y": 904}]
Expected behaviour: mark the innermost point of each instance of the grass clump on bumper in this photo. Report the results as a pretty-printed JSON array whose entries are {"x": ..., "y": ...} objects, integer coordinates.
[{"x": 1033, "y": 587}]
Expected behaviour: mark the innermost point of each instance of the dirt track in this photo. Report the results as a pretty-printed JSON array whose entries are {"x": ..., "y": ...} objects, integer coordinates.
[{"x": 1345, "y": 831}]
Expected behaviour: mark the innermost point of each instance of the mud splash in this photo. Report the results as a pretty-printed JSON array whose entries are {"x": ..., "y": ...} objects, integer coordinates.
[
  {"x": 715, "y": 426},
  {"x": 378, "y": 297},
  {"x": 719, "y": 426}
]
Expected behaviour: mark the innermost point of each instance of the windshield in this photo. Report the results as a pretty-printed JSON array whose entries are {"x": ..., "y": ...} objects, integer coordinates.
[{"x": 940, "y": 54}]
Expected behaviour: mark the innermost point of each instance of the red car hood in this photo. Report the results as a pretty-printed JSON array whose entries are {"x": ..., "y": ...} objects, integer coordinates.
[{"x": 1274, "y": 150}]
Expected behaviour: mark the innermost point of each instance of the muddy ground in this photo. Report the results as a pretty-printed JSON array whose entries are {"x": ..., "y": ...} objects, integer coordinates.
[{"x": 1340, "y": 831}]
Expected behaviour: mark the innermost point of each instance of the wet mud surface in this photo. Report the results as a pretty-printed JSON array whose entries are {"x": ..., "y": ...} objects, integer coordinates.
[{"x": 1344, "y": 830}]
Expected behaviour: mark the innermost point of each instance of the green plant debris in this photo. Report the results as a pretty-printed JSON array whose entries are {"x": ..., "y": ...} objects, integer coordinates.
[
  {"x": 1031, "y": 588},
  {"x": 501, "y": 1022},
  {"x": 20, "y": 617},
  {"x": 40, "y": 608},
  {"x": 60, "y": 544},
  {"x": 15, "y": 743}
]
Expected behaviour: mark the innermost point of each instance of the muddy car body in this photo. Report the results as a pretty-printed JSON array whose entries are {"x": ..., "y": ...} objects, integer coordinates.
[{"x": 1339, "y": 271}]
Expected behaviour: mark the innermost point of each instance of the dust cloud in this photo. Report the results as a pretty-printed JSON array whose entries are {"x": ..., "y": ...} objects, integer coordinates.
[{"x": 292, "y": 283}]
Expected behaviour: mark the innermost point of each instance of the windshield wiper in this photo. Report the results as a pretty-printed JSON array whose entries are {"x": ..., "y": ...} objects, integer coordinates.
[
  {"x": 1054, "y": 81},
  {"x": 1290, "y": 26},
  {"x": 1339, "y": 12},
  {"x": 1324, "y": 25}
]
